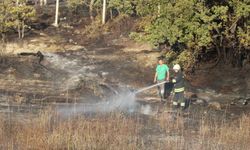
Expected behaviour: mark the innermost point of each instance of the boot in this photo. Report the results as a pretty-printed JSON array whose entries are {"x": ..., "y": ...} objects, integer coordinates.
[
  {"x": 183, "y": 105},
  {"x": 175, "y": 105}
]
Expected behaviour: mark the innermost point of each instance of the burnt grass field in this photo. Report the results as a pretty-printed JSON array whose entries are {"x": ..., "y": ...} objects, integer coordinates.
[
  {"x": 79, "y": 97},
  {"x": 74, "y": 101}
]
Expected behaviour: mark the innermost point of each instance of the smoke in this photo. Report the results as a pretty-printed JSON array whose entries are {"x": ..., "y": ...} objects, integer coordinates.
[
  {"x": 146, "y": 110},
  {"x": 122, "y": 102},
  {"x": 75, "y": 70}
]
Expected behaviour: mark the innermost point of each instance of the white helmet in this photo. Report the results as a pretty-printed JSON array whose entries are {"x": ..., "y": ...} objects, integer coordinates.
[{"x": 177, "y": 67}]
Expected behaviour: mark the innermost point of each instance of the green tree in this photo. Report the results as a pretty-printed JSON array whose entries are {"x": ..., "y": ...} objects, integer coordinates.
[
  {"x": 231, "y": 29},
  {"x": 75, "y": 5},
  {"x": 121, "y": 6},
  {"x": 5, "y": 18},
  {"x": 14, "y": 15},
  {"x": 199, "y": 25},
  {"x": 21, "y": 14},
  {"x": 178, "y": 21}
]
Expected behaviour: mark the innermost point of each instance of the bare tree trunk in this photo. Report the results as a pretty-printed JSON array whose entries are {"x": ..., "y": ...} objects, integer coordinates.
[
  {"x": 36, "y": 2},
  {"x": 224, "y": 54},
  {"x": 19, "y": 30},
  {"x": 3, "y": 37},
  {"x": 56, "y": 14},
  {"x": 43, "y": 2},
  {"x": 91, "y": 9},
  {"x": 159, "y": 10},
  {"x": 218, "y": 52},
  {"x": 104, "y": 11},
  {"x": 23, "y": 28},
  {"x": 111, "y": 14},
  {"x": 2, "y": 49}
]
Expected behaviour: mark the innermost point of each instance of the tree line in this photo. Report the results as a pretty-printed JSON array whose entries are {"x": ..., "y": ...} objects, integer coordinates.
[{"x": 193, "y": 29}]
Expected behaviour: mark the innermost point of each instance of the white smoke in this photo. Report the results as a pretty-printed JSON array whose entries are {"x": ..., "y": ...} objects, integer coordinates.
[
  {"x": 146, "y": 110},
  {"x": 122, "y": 102},
  {"x": 75, "y": 70}
]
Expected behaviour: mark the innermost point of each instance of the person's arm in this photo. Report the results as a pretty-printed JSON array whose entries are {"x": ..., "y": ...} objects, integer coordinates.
[
  {"x": 177, "y": 78},
  {"x": 167, "y": 76},
  {"x": 155, "y": 77}
]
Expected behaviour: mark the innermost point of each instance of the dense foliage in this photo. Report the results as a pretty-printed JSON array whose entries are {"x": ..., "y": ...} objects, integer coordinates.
[
  {"x": 14, "y": 16},
  {"x": 196, "y": 27},
  {"x": 193, "y": 29}
]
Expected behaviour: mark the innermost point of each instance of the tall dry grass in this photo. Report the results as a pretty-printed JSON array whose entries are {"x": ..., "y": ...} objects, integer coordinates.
[
  {"x": 49, "y": 131},
  {"x": 115, "y": 131},
  {"x": 233, "y": 135}
]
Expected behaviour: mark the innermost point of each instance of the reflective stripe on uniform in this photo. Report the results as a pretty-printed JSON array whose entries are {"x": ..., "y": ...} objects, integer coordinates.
[
  {"x": 179, "y": 89},
  {"x": 183, "y": 104},
  {"x": 175, "y": 103},
  {"x": 162, "y": 91}
]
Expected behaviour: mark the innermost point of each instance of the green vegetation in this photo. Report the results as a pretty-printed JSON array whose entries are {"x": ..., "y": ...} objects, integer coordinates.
[
  {"x": 193, "y": 29},
  {"x": 14, "y": 16},
  {"x": 198, "y": 26},
  {"x": 122, "y": 7}
]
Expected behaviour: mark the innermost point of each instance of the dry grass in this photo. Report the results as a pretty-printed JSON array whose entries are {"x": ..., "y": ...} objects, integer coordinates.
[
  {"x": 116, "y": 131},
  {"x": 234, "y": 135},
  {"x": 48, "y": 131}
]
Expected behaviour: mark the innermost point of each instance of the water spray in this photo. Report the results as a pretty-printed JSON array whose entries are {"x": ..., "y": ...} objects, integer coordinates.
[{"x": 149, "y": 87}]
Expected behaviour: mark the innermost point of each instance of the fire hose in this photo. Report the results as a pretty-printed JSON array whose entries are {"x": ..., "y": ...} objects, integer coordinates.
[{"x": 149, "y": 87}]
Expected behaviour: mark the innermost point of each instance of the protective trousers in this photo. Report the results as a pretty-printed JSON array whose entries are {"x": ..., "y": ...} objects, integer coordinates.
[{"x": 179, "y": 99}]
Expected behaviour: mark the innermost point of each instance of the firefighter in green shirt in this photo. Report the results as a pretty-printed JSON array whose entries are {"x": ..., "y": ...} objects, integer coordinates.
[
  {"x": 178, "y": 82},
  {"x": 161, "y": 75}
]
